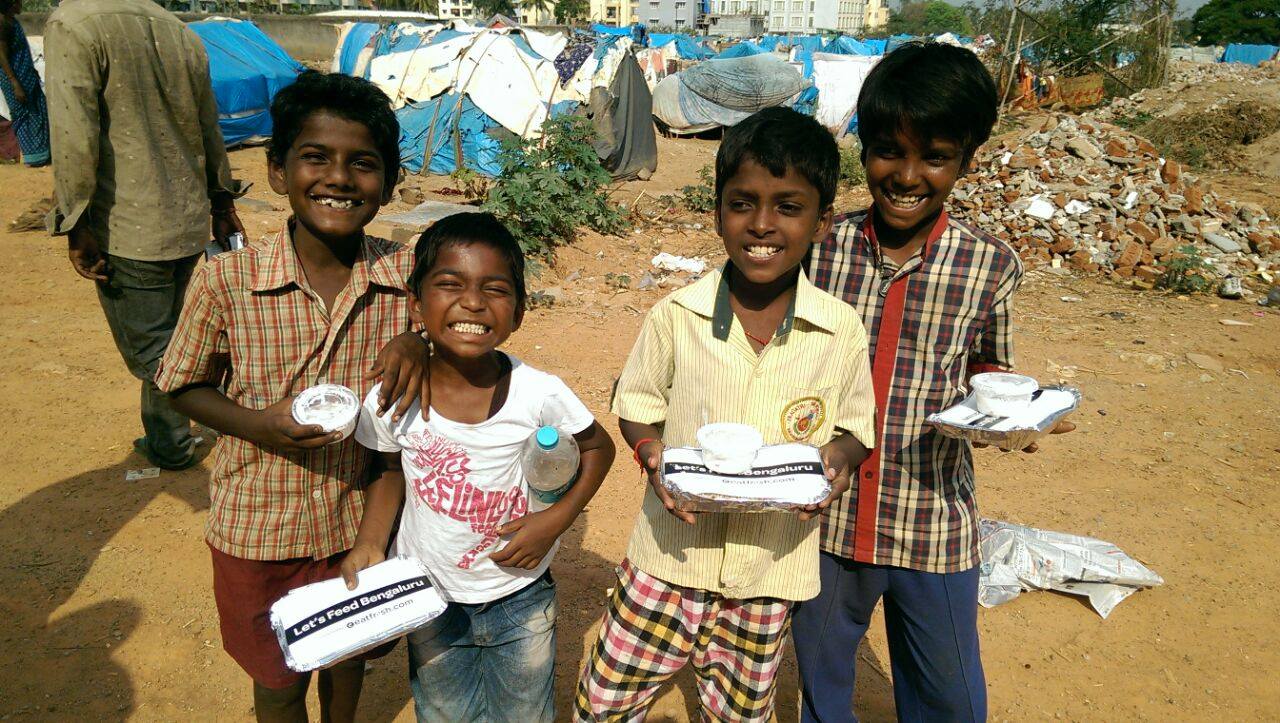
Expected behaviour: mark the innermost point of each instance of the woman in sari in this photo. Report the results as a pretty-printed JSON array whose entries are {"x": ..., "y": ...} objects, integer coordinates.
[{"x": 21, "y": 87}]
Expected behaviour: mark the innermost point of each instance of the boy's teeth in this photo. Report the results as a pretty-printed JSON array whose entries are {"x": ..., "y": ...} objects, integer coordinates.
[
  {"x": 899, "y": 200},
  {"x": 336, "y": 202},
  {"x": 761, "y": 252},
  {"x": 465, "y": 327}
]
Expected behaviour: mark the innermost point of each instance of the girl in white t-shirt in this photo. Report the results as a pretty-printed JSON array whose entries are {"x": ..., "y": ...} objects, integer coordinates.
[{"x": 453, "y": 476}]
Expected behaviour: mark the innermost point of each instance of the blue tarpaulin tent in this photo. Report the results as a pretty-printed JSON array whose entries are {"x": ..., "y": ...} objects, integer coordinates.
[
  {"x": 432, "y": 122},
  {"x": 845, "y": 45},
  {"x": 686, "y": 47},
  {"x": 247, "y": 69},
  {"x": 896, "y": 40},
  {"x": 599, "y": 29},
  {"x": 741, "y": 50},
  {"x": 1249, "y": 54},
  {"x": 809, "y": 43},
  {"x": 355, "y": 41}
]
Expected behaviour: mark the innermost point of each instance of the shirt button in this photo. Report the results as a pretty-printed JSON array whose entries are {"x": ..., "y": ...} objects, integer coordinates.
[
  {"x": 868, "y": 475},
  {"x": 316, "y": 494}
]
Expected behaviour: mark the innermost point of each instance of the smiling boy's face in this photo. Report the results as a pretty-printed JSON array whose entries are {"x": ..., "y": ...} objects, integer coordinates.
[
  {"x": 768, "y": 223},
  {"x": 334, "y": 177},
  {"x": 911, "y": 178},
  {"x": 467, "y": 301}
]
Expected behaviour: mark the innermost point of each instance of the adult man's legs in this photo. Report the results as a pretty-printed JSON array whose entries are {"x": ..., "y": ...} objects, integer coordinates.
[
  {"x": 931, "y": 621},
  {"x": 827, "y": 631},
  {"x": 142, "y": 301}
]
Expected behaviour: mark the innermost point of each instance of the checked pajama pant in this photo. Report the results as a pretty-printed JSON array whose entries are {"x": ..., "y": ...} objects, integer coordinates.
[{"x": 652, "y": 629}]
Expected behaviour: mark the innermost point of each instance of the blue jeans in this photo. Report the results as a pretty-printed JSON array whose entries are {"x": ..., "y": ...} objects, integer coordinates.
[
  {"x": 931, "y": 621},
  {"x": 142, "y": 301},
  {"x": 489, "y": 662}
]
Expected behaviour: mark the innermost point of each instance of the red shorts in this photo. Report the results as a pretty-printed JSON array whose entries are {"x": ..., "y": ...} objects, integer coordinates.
[{"x": 244, "y": 591}]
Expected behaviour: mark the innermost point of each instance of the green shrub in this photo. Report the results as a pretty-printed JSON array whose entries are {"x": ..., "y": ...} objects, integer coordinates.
[
  {"x": 851, "y": 171},
  {"x": 551, "y": 186},
  {"x": 1185, "y": 273},
  {"x": 700, "y": 197}
]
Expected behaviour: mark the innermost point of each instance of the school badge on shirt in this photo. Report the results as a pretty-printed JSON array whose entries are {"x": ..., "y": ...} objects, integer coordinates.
[{"x": 802, "y": 417}]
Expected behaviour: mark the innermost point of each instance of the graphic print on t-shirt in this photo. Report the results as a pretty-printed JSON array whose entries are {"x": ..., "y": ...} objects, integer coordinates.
[{"x": 445, "y": 489}]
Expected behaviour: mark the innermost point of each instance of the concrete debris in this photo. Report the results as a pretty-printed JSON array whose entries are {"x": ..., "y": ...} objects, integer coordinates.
[{"x": 1123, "y": 211}]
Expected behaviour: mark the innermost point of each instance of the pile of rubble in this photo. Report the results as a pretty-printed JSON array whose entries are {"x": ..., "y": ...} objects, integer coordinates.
[
  {"x": 1164, "y": 101},
  {"x": 1100, "y": 199}
]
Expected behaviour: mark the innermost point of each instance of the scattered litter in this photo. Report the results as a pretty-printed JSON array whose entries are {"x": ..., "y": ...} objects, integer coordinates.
[
  {"x": 646, "y": 282},
  {"x": 1075, "y": 208},
  {"x": 134, "y": 475},
  {"x": 1072, "y": 299},
  {"x": 1233, "y": 322},
  {"x": 1017, "y": 558},
  {"x": 1230, "y": 288},
  {"x": 670, "y": 262},
  {"x": 1040, "y": 208}
]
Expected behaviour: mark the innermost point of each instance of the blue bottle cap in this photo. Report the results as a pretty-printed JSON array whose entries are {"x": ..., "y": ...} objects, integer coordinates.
[{"x": 547, "y": 438}]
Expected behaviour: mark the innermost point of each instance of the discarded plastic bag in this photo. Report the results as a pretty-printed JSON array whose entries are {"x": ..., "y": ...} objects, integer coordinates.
[{"x": 1017, "y": 558}]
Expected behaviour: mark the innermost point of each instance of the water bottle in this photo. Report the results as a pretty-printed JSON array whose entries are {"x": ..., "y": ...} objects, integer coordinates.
[{"x": 550, "y": 464}]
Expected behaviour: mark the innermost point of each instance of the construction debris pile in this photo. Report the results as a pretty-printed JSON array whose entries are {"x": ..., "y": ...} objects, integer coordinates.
[
  {"x": 1094, "y": 197},
  {"x": 1164, "y": 101}
]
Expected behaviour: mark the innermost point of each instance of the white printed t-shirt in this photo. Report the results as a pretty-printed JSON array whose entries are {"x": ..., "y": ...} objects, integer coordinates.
[{"x": 463, "y": 481}]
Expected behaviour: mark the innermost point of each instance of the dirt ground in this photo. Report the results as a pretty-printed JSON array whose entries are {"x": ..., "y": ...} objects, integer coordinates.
[{"x": 105, "y": 584}]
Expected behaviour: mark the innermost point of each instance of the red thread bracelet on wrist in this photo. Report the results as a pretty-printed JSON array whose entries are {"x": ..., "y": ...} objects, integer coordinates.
[{"x": 639, "y": 444}]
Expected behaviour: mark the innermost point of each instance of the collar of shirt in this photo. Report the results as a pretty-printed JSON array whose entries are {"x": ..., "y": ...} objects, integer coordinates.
[
  {"x": 711, "y": 299},
  {"x": 280, "y": 267},
  {"x": 867, "y": 231}
]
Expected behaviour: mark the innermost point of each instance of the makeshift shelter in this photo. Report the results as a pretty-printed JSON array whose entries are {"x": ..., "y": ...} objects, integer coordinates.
[
  {"x": 1249, "y": 54},
  {"x": 684, "y": 47},
  {"x": 247, "y": 69},
  {"x": 742, "y": 50},
  {"x": 460, "y": 89},
  {"x": 723, "y": 91},
  {"x": 845, "y": 45},
  {"x": 838, "y": 80}
]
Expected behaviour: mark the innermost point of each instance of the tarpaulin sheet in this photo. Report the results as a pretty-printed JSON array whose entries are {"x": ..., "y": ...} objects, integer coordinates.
[
  {"x": 838, "y": 79},
  {"x": 896, "y": 40},
  {"x": 745, "y": 84},
  {"x": 247, "y": 69},
  {"x": 1249, "y": 54},
  {"x": 742, "y": 50},
  {"x": 599, "y": 29},
  {"x": 354, "y": 39},
  {"x": 684, "y": 112},
  {"x": 432, "y": 124},
  {"x": 686, "y": 46},
  {"x": 845, "y": 45},
  {"x": 622, "y": 116}
]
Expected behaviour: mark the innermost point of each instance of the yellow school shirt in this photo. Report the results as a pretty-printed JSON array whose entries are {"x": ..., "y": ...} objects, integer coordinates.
[{"x": 692, "y": 365}]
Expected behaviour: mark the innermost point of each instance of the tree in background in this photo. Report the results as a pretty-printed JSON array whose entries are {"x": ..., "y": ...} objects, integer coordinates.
[
  {"x": 1219, "y": 22},
  {"x": 486, "y": 9},
  {"x": 928, "y": 17},
  {"x": 569, "y": 10}
]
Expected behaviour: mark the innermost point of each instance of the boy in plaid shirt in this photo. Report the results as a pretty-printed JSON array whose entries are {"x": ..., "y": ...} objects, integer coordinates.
[
  {"x": 313, "y": 305},
  {"x": 936, "y": 296}
]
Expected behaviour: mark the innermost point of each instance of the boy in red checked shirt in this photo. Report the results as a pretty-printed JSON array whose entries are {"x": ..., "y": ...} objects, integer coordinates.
[{"x": 936, "y": 296}]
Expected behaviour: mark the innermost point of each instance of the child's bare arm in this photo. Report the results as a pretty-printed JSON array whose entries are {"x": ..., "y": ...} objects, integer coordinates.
[
  {"x": 533, "y": 535},
  {"x": 649, "y": 454},
  {"x": 271, "y": 427},
  {"x": 403, "y": 366},
  {"x": 382, "y": 505}
]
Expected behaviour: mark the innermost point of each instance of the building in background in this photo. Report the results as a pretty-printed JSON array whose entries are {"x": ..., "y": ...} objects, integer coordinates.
[
  {"x": 680, "y": 15},
  {"x": 797, "y": 16},
  {"x": 743, "y": 25},
  {"x": 612, "y": 12}
]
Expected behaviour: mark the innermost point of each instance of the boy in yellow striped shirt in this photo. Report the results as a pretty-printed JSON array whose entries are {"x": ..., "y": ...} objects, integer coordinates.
[{"x": 754, "y": 343}]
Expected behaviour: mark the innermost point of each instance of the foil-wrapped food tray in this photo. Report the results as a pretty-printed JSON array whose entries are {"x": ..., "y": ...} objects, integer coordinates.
[
  {"x": 1048, "y": 405},
  {"x": 782, "y": 478}
]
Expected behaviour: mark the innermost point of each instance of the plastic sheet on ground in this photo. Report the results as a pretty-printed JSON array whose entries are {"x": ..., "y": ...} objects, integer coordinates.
[
  {"x": 1017, "y": 558},
  {"x": 1249, "y": 54},
  {"x": 427, "y": 213}
]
